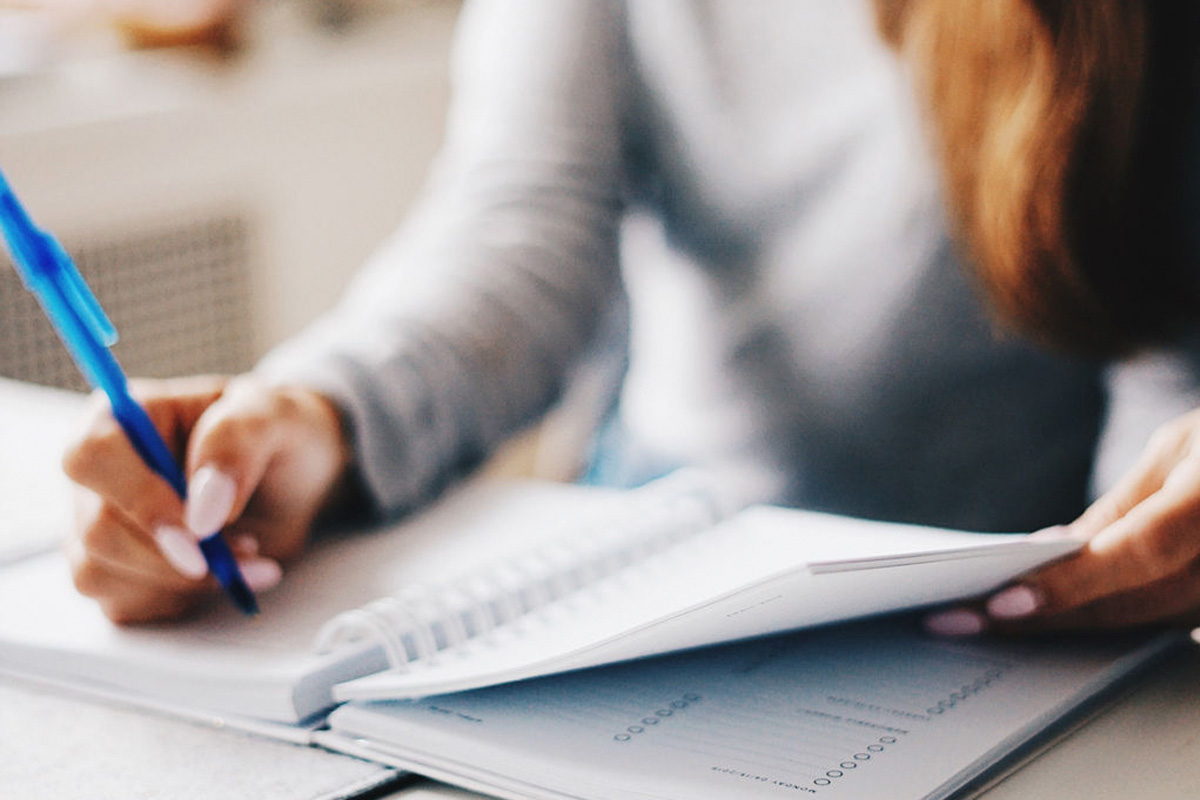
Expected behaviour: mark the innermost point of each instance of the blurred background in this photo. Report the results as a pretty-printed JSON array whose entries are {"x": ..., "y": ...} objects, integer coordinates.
[{"x": 217, "y": 168}]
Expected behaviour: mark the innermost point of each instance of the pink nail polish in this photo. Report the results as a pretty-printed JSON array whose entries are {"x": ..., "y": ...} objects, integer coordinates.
[
  {"x": 261, "y": 574},
  {"x": 955, "y": 622},
  {"x": 180, "y": 550},
  {"x": 210, "y": 500},
  {"x": 1014, "y": 602}
]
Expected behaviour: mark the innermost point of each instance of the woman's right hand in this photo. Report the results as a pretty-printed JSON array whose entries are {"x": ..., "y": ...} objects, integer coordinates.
[{"x": 262, "y": 464}]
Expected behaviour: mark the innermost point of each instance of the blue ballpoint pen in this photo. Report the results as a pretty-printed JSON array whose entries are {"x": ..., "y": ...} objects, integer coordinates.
[{"x": 50, "y": 275}]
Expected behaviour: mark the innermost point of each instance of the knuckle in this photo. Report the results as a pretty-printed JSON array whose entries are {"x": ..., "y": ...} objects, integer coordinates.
[
  {"x": 119, "y": 611},
  {"x": 88, "y": 459},
  {"x": 251, "y": 427},
  {"x": 80, "y": 461},
  {"x": 287, "y": 405},
  {"x": 89, "y": 577},
  {"x": 1063, "y": 587},
  {"x": 76, "y": 460},
  {"x": 96, "y": 536},
  {"x": 1158, "y": 552},
  {"x": 103, "y": 536},
  {"x": 233, "y": 433},
  {"x": 94, "y": 532}
]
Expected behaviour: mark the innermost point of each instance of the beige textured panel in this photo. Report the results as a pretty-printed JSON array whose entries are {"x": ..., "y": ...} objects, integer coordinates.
[{"x": 177, "y": 290}]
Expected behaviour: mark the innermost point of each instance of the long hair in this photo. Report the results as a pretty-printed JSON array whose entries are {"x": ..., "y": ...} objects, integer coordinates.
[{"x": 1058, "y": 143}]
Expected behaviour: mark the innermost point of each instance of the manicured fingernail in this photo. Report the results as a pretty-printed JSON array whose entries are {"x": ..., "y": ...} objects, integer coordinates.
[
  {"x": 210, "y": 499},
  {"x": 180, "y": 550},
  {"x": 955, "y": 622},
  {"x": 261, "y": 574},
  {"x": 1013, "y": 603}
]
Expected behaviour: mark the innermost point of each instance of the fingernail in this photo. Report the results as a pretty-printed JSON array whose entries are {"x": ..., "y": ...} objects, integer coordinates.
[
  {"x": 261, "y": 574},
  {"x": 210, "y": 499},
  {"x": 1013, "y": 603},
  {"x": 180, "y": 550},
  {"x": 956, "y": 622}
]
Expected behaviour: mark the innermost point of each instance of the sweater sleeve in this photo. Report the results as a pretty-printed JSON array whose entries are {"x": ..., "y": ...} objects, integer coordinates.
[{"x": 464, "y": 325}]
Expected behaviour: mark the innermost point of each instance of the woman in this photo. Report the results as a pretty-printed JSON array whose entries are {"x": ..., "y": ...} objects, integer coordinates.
[{"x": 746, "y": 194}]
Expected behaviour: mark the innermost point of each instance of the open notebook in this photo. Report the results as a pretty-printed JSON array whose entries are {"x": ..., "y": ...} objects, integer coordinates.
[
  {"x": 500, "y": 582},
  {"x": 865, "y": 710}
]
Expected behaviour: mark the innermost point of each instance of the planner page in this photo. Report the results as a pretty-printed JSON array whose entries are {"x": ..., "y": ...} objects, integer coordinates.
[{"x": 867, "y": 710}]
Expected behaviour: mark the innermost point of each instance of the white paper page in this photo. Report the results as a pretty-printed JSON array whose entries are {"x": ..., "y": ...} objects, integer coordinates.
[
  {"x": 745, "y": 577},
  {"x": 868, "y": 710},
  {"x": 35, "y": 425},
  {"x": 224, "y": 661}
]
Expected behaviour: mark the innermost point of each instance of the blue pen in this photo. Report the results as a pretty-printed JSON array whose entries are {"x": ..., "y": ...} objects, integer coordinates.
[{"x": 50, "y": 275}]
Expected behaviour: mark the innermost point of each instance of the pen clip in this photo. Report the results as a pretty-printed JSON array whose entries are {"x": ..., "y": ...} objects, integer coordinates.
[
  {"x": 80, "y": 297},
  {"x": 39, "y": 257}
]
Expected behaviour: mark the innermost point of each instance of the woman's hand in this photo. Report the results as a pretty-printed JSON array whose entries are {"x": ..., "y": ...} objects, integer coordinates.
[
  {"x": 262, "y": 462},
  {"x": 1140, "y": 562}
]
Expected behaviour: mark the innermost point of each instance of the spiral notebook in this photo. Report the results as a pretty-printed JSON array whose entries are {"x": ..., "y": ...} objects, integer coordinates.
[
  {"x": 864, "y": 710},
  {"x": 496, "y": 583}
]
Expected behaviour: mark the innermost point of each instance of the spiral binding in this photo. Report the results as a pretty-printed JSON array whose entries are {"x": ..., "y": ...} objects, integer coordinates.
[{"x": 425, "y": 621}]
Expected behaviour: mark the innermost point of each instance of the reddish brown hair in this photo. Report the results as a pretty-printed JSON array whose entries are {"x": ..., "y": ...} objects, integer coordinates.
[{"x": 1048, "y": 115}]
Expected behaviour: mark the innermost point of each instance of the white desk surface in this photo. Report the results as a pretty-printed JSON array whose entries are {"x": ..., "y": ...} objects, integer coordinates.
[
  {"x": 1144, "y": 743},
  {"x": 60, "y": 746}
]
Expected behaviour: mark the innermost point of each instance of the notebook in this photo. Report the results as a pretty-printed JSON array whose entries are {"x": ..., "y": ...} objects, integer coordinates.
[
  {"x": 499, "y": 583},
  {"x": 36, "y": 423},
  {"x": 496, "y": 583},
  {"x": 864, "y": 710}
]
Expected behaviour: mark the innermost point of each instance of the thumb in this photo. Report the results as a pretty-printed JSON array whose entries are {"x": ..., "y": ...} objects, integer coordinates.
[
  {"x": 212, "y": 498},
  {"x": 230, "y": 448}
]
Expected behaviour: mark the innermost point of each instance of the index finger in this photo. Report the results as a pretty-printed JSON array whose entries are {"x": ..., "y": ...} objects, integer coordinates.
[{"x": 105, "y": 461}]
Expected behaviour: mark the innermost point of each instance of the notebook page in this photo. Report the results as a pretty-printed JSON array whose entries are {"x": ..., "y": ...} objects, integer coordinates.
[
  {"x": 35, "y": 425},
  {"x": 869, "y": 710},
  {"x": 744, "y": 577},
  {"x": 219, "y": 659}
]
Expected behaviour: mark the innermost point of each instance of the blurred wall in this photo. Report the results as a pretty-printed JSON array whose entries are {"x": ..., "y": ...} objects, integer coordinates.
[{"x": 203, "y": 194}]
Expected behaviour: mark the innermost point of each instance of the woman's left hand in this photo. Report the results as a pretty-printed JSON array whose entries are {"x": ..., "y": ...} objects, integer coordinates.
[{"x": 1140, "y": 562}]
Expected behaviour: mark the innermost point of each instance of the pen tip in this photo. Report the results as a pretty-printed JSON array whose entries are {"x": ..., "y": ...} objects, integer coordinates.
[{"x": 243, "y": 598}]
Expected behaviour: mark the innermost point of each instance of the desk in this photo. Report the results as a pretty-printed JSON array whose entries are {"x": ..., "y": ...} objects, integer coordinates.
[
  {"x": 1143, "y": 744},
  {"x": 56, "y": 745}
]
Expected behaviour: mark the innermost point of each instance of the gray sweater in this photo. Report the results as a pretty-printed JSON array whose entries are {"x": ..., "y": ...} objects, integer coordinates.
[{"x": 731, "y": 202}]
